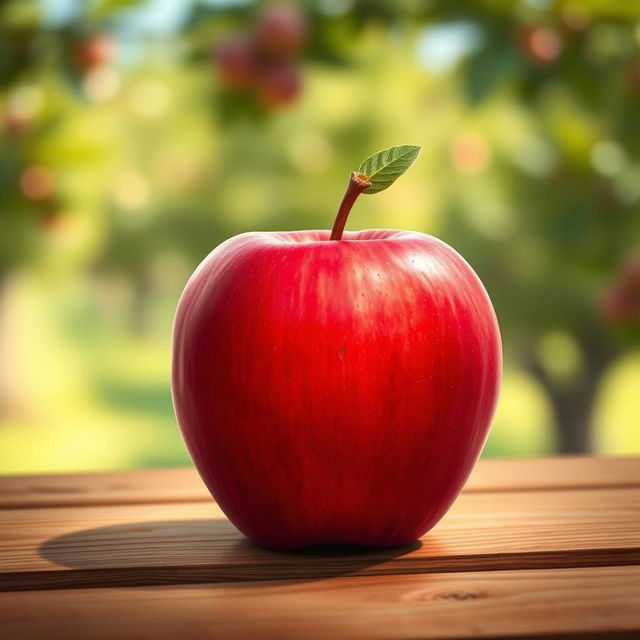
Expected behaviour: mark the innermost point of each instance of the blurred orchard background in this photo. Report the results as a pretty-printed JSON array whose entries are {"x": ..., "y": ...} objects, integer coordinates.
[{"x": 135, "y": 136}]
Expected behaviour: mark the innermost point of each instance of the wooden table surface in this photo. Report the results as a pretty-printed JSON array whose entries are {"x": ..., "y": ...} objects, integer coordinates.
[{"x": 531, "y": 548}]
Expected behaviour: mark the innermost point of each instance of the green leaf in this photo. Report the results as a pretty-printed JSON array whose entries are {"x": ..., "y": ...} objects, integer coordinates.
[{"x": 382, "y": 169}]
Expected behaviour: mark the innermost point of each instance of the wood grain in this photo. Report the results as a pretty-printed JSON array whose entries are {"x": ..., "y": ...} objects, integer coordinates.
[
  {"x": 86, "y": 489},
  {"x": 184, "y": 485},
  {"x": 192, "y": 542},
  {"x": 593, "y": 602}
]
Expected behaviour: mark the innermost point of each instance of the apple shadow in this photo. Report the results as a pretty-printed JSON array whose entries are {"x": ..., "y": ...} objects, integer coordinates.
[{"x": 195, "y": 552}]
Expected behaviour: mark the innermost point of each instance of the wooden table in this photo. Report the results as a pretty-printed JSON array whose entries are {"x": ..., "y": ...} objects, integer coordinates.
[{"x": 531, "y": 548}]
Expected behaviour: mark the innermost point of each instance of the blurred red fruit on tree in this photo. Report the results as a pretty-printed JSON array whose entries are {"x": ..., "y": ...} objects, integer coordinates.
[
  {"x": 633, "y": 76},
  {"x": 15, "y": 125},
  {"x": 37, "y": 182},
  {"x": 540, "y": 45},
  {"x": 620, "y": 303},
  {"x": 631, "y": 272},
  {"x": 280, "y": 31},
  {"x": 237, "y": 62},
  {"x": 94, "y": 51},
  {"x": 53, "y": 221},
  {"x": 278, "y": 85}
]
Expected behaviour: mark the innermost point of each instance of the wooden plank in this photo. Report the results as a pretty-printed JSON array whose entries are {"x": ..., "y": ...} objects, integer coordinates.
[
  {"x": 184, "y": 485},
  {"x": 192, "y": 542},
  {"x": 85, "y": 489},
  {"x": 594, "y": 602},
  {"x": 567, "y": 472}
]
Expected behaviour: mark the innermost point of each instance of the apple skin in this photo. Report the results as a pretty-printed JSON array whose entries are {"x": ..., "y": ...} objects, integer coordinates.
[{"x": 335, "y": 392}]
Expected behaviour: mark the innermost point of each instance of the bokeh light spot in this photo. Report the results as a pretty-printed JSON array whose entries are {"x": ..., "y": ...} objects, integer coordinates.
[
  {"x": 470, "y": 152},
  {"x": 101, "y": 84},
  {"x": 25, "y": 101},
  {"x": 37, "y": 182},
  {"x": 310, "y": 153},
  {"x": 150, "y": 99},
  {"x": 608, "y": 158},
  {"x": 131, "y": 190},
  {"x": 560, "y": 355}
]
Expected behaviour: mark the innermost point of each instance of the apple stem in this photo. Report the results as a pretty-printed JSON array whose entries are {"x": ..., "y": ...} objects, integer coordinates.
[{"x": 358, "y": 183}]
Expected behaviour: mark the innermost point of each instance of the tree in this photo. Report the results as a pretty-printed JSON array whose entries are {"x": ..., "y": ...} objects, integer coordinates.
[{"x": 530, "y": 134}]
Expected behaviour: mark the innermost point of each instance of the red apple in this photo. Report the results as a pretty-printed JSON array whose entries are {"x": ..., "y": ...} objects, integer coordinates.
[
  {"x": 620, "y": 302},
  {"x": 94, "y": 51},
  {"x": 280, "y": 30},
  {"x": 237, "y": 62},
  {"x": 335, "y": 390},
  {"x": 540, "y": 45},
  {"x": 633, "y": 76},
  {"x": 278, "y": 85}
]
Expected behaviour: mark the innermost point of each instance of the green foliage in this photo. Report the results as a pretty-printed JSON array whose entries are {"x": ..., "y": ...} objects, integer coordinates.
[
  {"x": 383, "y": 168},
  {"x": 123, "y": 168},
  {"x": 104, "y": 8}
]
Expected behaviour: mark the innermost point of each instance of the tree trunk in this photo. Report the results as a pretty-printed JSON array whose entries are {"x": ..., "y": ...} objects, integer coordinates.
[
  {"x": 573, "y": 403},
  {"x": 141, "y": 303}
]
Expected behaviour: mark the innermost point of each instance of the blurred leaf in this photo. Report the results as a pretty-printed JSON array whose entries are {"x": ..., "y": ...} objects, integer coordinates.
[
  {"x": 612, "y": 8},
  {"x": 20, "y": 14},
  {"x": 488, "y": 69},
  {"x": 105, "y": 8}
]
